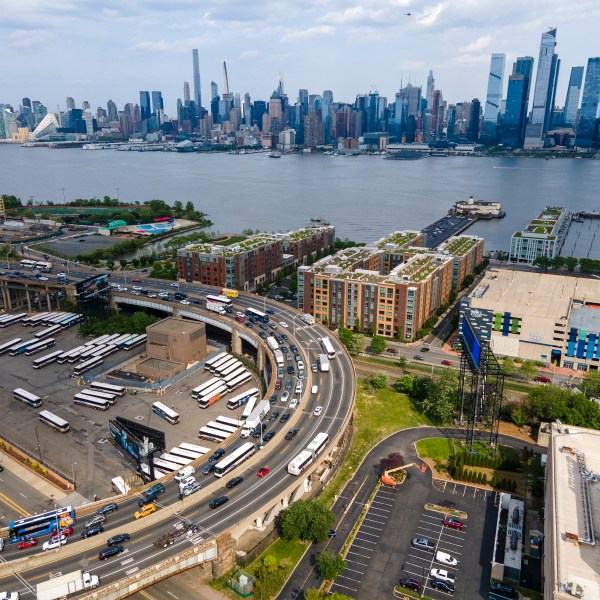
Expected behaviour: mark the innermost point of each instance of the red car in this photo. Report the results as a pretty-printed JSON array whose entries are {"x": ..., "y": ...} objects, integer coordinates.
[
  {"x": 136, "y": 281},
  {"x": 27, "y": 543},
  {"x": 447, "y": 363},
  {"x": 63, "y": 532},
  {"x": 543, "y": 379},
  {"x": 264, "y": 471},
  {"x": 278, "y": 384},
  {"x": 453, "y": 523}
]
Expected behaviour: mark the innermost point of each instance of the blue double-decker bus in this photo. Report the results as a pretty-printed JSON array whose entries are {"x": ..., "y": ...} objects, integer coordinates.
[{"x": 31, "y": 527}]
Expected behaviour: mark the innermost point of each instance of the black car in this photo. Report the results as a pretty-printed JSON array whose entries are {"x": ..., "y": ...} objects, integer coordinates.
[
  {"x": 291, "y": 434},
  {"x": 259, "y": 430},
  {"x": 284, "y": 349},
  {"x": 108, "y": 508},
  {"x": 411, "y": 584},
  {"x": 218, "y": 501},
  {"x": 157, "y": 488},
  {"x": 110, "y": 551},
  {"x": 273, "y": 399},
  {"x": 273, "y": 416},
  {"x": 147, "y": 498},
  {"x": 443, "y": 585},
  {"x": 424, "y": 349},
  {"x": 284, "y": 418},
  {"x": 262, "y": 334},
  {"x": 503, "y": 590},
  {"x": 94, "y": 530},
  {"x": 209, "y": 468},
  {"x": 233, "y": 482},
  {"x": 293, "y": 348},
  {"x": 268, "y": 436},
  {"x": 216, "y": 455},
  {"x": 180, "y": 295},
  {"x": 290, "y": 369},
  {"x": 284, "y": 336},
  {"x": 118, "y": 539}
]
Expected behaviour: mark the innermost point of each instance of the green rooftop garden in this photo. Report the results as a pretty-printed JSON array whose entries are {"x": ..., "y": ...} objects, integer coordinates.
[
  {"x": 418, "y": 268},
  {"x": 460, "y": 245},
  {"x": 302, "y": 234},
  {"x": 245, "y": 245},
  {"x": 343, "y": 259},
  {"x": 398, "y": 238}
]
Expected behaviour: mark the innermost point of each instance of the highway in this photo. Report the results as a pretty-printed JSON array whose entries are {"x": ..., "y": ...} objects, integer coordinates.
[{"x": 336, "y": 395}]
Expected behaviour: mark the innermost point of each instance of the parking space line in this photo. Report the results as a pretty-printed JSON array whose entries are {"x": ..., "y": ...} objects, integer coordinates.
[
  {"x": 350, "y": 578},
  {"x": 453, "y": 544},
  {"x": 351, "y": 560},
  {"x": 380, "y": 502},
  {"x": 371, "y": 527},
  {"x": 367, "y": 549},
  {"x": 367, "y": 533},
  {"x": 427, "y": 529},
  {"x": 355, "y": 571},
  {"x": 345, "y": 587},
  {"x": 375, "y": 521},
  {"x": 365, "y": 541}
]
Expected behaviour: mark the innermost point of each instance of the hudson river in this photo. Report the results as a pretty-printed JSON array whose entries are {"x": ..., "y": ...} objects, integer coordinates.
[{"x": 365, "y": 197}]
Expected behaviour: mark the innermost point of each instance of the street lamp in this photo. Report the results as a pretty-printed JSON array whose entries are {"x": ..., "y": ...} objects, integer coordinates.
[{"x": 73, "y": 474}]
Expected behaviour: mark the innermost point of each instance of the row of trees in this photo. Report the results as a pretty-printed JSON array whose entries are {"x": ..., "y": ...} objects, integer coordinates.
[
  {"x": 118, "y": 323},
  {"x": 570, "y": 263}
]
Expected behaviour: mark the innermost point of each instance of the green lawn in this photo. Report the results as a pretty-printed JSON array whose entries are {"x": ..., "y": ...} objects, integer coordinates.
[
  {"x": 377, "y": 414},
  {"x": 438, "y": 449}
]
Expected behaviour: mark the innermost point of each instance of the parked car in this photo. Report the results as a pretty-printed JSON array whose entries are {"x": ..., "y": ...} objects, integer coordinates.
[
  {"x": 216, "y": 502},
  {"x": 441, "y": 584},
  {"x": 443, "y": 575},
  {"x": 543, "y": 379},
  {"x": 453, "y": 523},
  {"x": 422, "y": 544},
  {"x": 447, "y": 363},
  {"x": 233, "y": 482},
  {"x": 110, "y": 551},
  {"x": 410, "y": 583},
  {"x": 118, "y": 539}
]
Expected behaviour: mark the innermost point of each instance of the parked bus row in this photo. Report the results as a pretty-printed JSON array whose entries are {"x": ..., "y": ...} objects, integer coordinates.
[
  {"x": 40, "y": 265},
  {"x": 6, "y": 320}
]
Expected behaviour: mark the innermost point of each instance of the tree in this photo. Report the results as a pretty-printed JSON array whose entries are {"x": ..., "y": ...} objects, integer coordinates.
[
  {"x": 508, "y": 366},
  {"x": 391, "y": 461},
  {"x": 543, "y": 262},
  {"x": 306, "y": 520},
  {"x": 379, "y": 381},
  {"x": 268, "y": 581},
  {"x": 402, "y": 362},
  {"x": 571, "y": 263},
  {"x": 527, "y": 370},
  {"x": 519, "y": 416},
  {"x": 177, "y": 209},
  {"x": 123, "y": 264},
  {"x": 535, "y": 475},
  {"x": 438, "y": 398},
  {"x": 135, "y": 262},
  {"x": 357, "y": 344},
  {"x": 330, "y": 565},
  {"x": 378, "y": 344},
  {"x": 558, "y": 262},
  {"x": 591, "y": 384}
]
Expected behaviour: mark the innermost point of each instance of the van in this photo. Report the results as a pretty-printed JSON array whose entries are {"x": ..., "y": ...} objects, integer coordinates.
[
  {"x": 184, "y": 473},
  {"x": 314, "y": 389}
]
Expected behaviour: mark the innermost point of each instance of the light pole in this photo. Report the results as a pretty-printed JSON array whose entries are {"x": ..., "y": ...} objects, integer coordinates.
[
  {"x": 64, "y": 198},
  {"x": 73, "y": 474},
  {"x": 118, "y": 197}
]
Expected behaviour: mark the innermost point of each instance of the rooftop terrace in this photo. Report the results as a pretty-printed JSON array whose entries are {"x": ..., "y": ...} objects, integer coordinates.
[
  {"x": 418, "y": 267},
  {"x": 457, "y": 246},
  {"x": 397, "y": 238},
  {"x": 343, "y": 260},
  {"x": 251, "y": 243}
]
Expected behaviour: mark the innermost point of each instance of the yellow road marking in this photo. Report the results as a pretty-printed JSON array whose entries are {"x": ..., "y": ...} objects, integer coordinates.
[{"x": 11, "y": 504}]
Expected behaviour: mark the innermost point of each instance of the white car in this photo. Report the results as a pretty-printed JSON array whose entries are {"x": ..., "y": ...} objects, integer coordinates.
[
  {"x": 9, "y": 595},
  {"x": 185, "y": 302},
  {"x": 285, "y": 396},
  {"x": 174, "y": 284},
  {"x": 122, "y": 289},
  {"x": 283, "y": 324},
  {"x": 151, "y": 295},
  {"x": 298, "y": 389},
  {"x": 137, "y": 288},
  {"x": 56, "y": 543},
  {"x": 42, "y": 278},
  {"x": 443, "y": 574},
  {"x": 445, "y": 559},
  {"x": 293, "y": 402},
  {"x": 240, "y": 314},
  {"x": 318, "y": 411}
]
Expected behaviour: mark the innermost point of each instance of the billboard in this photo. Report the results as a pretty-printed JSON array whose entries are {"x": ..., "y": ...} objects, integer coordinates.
[
  {"x": 156, "y": 437},
  {"x": 124, "y": 438},
  {"x": 470, "y": 341}
]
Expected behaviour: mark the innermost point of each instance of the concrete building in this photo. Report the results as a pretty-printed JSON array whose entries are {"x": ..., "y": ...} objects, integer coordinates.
[
  {"x": 254, "y": 261},
  {"x": 535, "y": 316},
  {"x": 393, "y": 284},
  {"x": 508, "y": 541},
  {"x": 572, "y": 511},
  {"x": 544, "y": 236}
]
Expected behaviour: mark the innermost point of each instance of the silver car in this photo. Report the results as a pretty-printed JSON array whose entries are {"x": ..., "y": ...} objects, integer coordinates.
[{"x": 95, "y": 520}]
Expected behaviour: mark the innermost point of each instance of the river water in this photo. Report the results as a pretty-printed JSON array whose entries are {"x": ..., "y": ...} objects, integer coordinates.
[{"x": 365, "y": 197}]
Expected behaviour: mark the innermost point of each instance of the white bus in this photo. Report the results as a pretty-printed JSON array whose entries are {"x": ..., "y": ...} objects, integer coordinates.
[
  {"x": 212, "y": 435},
  {"x": 89, "y": 351},
  {"x": 117, "y": 390},
  {"x": 223, "y": 301},
  {"x": 194, "y": 448},
  {"x": 228, "y": 421},
  {"x": 8, "y": 345},
  {"x": 39, "y": 346},
  {"x": 100, "y": 340},
  {"x": 106, "y": 351},
  {"x": 140, "y": 339},
  {"x": 318, "y": 444},
  {"x": 166, "y": 466},
  {"x": 239, "y": 380},
  {"x": 257, "y": 314},
  {"x": 249, "y": 407},
  {"x": 272, "y": 342},
  {"x": 165, "y": 413},
  {"x": 20, "y": 348},
  {"x": 184, "y": 453},
  {"x": 198, "y": 391},
  {"x": 53, "y": 421},
  {"x": 27, "y": 397},
  {"x": 300, "y": 463},
  {"x": 177, "y": 460},
  {"x": 11, "y": 319},
  {"x": 74, "y": 354},
  {"x": 71, "y": 321},
  {"x": 212, "y": 395},
  {"x": 129, "y": 338},
  {"x": 34, "y": 319},
  {"x": 27, "y": 263},
  {"x": 110, "y": 398},
  {"x": 230, "y": 429},
  {"x": 43, "y": 265},
  {"x": 42, "y": 361},
  {"x": 123, "y": 337},
  {"x": 242, "y": 398},
  {"x": 328, "y": 348},
  {"x": 278, "y": 357},
  {"x": 45, "y": 333},
  {"x": 96, "y": 403},
  {"x": 88, "y": 365},
  {"x": 222, "y": 361},
  {"x": 244, "y": 452},
  {"x": 51, "y": 318},
  {"x": 235, "y": 365},
  {"x": 214, "y": 359},
  {"x": 233, "y": 373}
]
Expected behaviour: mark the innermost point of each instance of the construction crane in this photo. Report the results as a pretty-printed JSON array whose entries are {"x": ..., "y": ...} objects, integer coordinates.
[{"x": 387, "y": 478}]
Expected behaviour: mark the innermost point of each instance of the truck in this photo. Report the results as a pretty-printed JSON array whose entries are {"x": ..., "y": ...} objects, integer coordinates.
[
  {"x": 278, "y": 357},
  {"x": 255, "y": 417},
  {"x": 180, "y": 530},
  {"x": 229, "y": 293},
  {"x": 215, "y": 307},
  {"x": 323, "y": 363},
  {"x": 64, "y": 585},
  {"x": 308, "y": 319}
]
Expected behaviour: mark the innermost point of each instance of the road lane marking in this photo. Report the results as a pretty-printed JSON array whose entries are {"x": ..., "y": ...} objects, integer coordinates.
[{"x": 16, "y": 507}]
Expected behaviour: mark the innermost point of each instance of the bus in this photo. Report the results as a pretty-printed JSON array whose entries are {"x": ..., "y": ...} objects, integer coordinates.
[
  {"x": 42, "y": 361},
  {"x": 318, "y": 444},
  {"x": 244, "y": 452},
  {"x": 212, "y": 435},
  {"x": 197, "y": 391},
  {"x": 111, "y": 398},
  {"x": 223, "y": 301},
  {"x": 122, "y": 338},
  {"x": 39, "y": 346},
  {"x": 212, "y": 395},
  {"x": 90, "y": 351},
  {"x": 100, "y": 340},
  {"x": 74, "y": 353},
  {"x": 224, "y": 365},
  {"x": 50, "y": 318},
  {"x": 278, "y": 357},
  {"x": 12, "y": 319},
  {"x": 220, "y": 362},
  {"x": 130, "y": 338},
  {"x": 31, "y": 527},
  {"x": 300, "y": 463},
  {"x": 328, "y": 348},
  {"x": 213, "y": 360},
  {"x": 117, "y": 390},
  {"x": 164, "y": 412},
  {"x": 185, "y": 453},
  {"x": 140, "y": 339},
  {"x": 239, "y": 380},
  {"x": 176, "y": 460},
  {"x": 232, "y": 367},
  {"x": 40, "y": 335},
  {"x": 229, "y": 421},
  {"x": 8, "y": 345},
  {"x": 71, "y": 321},
  {"x": 85, "y": 400},
  {"x": 53, "y": 421},
  {"x": 241, "y": 399},
  {"x": 249, "y": 407},
  {"x": 257, "y": 314},
  {"x": 231, "y": 375},
  {"x": 27, "y": 264},
  {"x": 106, "y": 351},
  {"x": 20, "y": 348},
  {"x": 27, "y": 397},
  {"x": 165, "y": 466},
  {"x": 272, "y": 343},
  {"x": 34, "y": 319},
  {"x": 44, "y": 265},
  {"x": 230, "y": 429},
  {"x": 194, "y": 448},
  {"x": 87, "y": 365}
]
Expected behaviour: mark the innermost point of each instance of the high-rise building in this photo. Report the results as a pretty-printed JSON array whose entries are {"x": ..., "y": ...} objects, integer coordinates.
[
  {"x": 111, "y": 111},
  {"x": 186, "y": 91},
  {"x": 430, "y": 88},
  {"x": 145, "y": 105},
  {"x": 197, "y": 91},
  {"x": 157, "y": 103},
  {"x": 587, "y": 130},
  {"x": 327, "y": 114},
  {"x": 545, "y": 88},
  {"x": 70, "y": 103},
  {"x": 573, "y": 94},
  {"x": 474, "y": 118},
  {"x": 313, "y": 129},
  {"x": 214, "y": 90},
  {"x": 491, "y": 112},
  {"x": 517, "y": 102}
]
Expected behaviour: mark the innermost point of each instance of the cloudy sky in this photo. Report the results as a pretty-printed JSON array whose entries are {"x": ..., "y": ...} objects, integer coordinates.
[{"x": 101, "y": 49}]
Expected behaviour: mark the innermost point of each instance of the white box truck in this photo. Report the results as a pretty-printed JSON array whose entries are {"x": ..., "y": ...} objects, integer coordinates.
[
  {"x": 255, "y": 417},
  {"x": 215, "y": 307},
  {"x": 308, "y": 319},
  {"x": 62, "y": 586},
  {"x": 323, "y": 363}
]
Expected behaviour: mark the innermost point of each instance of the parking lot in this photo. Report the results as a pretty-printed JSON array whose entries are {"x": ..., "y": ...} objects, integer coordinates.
[
  {"x": 381, "y": 553},
  {"x": 74, "y": 244}
]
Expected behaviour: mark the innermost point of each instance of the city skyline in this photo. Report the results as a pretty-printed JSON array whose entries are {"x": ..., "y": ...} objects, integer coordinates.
[{"x": 148, "y": 47}]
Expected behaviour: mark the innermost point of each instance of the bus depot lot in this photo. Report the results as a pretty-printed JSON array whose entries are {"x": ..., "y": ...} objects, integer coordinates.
[
  {"x": 86, "y": 452},
  {"x": 382, "y": 546}
]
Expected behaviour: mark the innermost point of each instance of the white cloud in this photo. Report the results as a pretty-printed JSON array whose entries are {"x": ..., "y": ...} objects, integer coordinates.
[
  {"x": 477, "y": 46},
  {"x": 430, "y": 15},
  {"x": 26, "y": 38},
  {"x": 249, "y": 54},
  {"x": 311, "y": 32}
]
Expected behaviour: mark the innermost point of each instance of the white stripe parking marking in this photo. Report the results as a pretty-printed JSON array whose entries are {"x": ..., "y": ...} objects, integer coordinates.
[
  {"x": 367, "y": 549},
  {"x": 342, "y": 576},
  {"x": 345, "y": 587},
  {"x": 365, "y": 541},
  {"x": 354, "y": 571},
  {"x": 371, "y": 527},
  {"x": 367, "y": 533}
]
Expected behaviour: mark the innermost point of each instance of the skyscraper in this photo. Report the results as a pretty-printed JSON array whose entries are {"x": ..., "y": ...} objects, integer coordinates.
[
  {"x": 197, "y": 92},
  {"x": 70, "y": 103},
  {"x": 186, "y": 92},
  {"x": 157, "y": 103},
  {"x": 543, "y": 96},
  {"x": 573, "y": 94},
  {"x": 111, "y": 111},
  {"x": 474, "y": 117},
  {"x": 430, "y": 88},
  {"x": 589, "y": 105},
  {"x": 517, "y": 103},
  {"x": 214, "y": 90},
  {"x": 145, "y": 105},
  {"x": 493, "y": 100}
]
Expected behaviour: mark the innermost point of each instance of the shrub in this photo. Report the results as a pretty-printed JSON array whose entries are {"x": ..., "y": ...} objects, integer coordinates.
[
  {"x": 503, "y": 483},
  {"x": 514, "y": 486},
  {"x": 484, "y": 480},
  {"x": 44, "y": 472},
  {"x": 479, "y": 478},
  {"x": 34, "y": 465}
]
